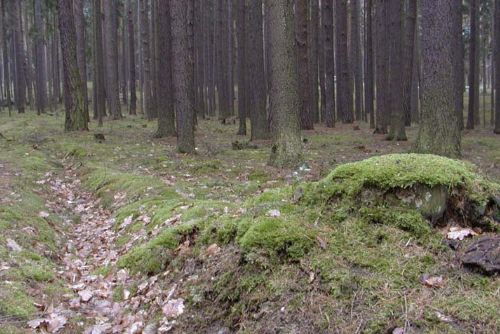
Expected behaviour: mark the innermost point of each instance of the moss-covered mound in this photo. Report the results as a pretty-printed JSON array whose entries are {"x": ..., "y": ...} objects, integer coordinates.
[{"x": 392, "y": 188}]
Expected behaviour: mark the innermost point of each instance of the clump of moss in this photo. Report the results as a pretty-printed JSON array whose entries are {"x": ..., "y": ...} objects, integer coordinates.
[
  {"x": 275, "y": 236},
  {"x": 401, "y": 171}
]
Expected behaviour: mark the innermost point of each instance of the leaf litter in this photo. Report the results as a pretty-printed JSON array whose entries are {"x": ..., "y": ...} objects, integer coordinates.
[{"x": 90, "y": 246}]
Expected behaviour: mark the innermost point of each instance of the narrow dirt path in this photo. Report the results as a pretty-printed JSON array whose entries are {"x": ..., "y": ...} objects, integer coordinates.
[{"x": 96, "y": 301}]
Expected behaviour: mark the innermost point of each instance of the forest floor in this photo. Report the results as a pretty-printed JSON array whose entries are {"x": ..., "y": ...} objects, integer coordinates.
[{"x": 125, "y": 235}]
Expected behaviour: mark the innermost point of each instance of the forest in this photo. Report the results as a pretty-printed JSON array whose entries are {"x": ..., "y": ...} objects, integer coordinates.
[{"x": 249, "y": 166}]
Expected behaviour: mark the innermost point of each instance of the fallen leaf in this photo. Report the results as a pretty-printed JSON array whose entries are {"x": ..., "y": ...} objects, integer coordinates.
[
  {"x": 127, "y": 221},
  {"x": 443, "y": 318},
  {"x": 43, "y": 214},
  {"x": 85, "y": 295},
  {"x": 212, "y": 249},
  {"x": 274, "y": 213},
  {"x": 432, "y": 281},
  {"x": 398, "y": 330},
  {"x": 173, "y": 308},
  {"x": 13, "y": 246},
  {"x": 321, "y": 242},
  {"x": 457, "y": 233}
]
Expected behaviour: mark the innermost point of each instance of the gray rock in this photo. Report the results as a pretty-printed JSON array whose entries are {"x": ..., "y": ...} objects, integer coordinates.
[{"x": 484, "y": 254}]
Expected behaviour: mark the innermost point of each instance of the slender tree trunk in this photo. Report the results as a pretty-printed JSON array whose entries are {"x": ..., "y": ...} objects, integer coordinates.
[
  {"x": 329, "y": 63},
  {"x": 458, "y": 66},
  {"x": 369, "y": 70},
  {"x": 285, "y": 100},
  {"x": 497, "y": 66},
  {"x": 76, "y": 120},
  {"x": 20, "y": 82},
  {"x": 256, "y": 75},
  {"x": 409, "y": 53},
  {"x": 321, "y": 63},
  {"x": 344, "y": 92},
  {"x": 100, "y": 93},
  {"x": 242, "y": 82},
  {"x": 40, "y": 61},
  {"x": 131, "y": 56},
  {"x": 301, "y": 38},
  {"x": 382, "y": 76},
  {"x": 6, "y": 37},
  {"x": 439, "y": 129},
  {"x": 473, "y": 114},
  {"x": 313, "y": 36},
  {"x": 397, "y": 126},
  {"x": 56, "y": 56},
  {"x": 27, "y": 61},
  {"x": 124, "y": 56},
  {"x": 166, "y": 116},
  {"x": 80, "y": 48},
  {"x": 357, "y": 60},
  {"x": 146, "y": 59},
  {"x": 182, "y": 70},
  {"x": 112, "y": 85}
]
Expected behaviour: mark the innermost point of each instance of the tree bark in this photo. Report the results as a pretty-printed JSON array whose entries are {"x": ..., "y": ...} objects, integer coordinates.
[
  {"x": 313, "y": 36},
  {"x": 382, "y": 76},
  {"x": 182, "y": 72},
  {"x": 6, "y": 37},
  {"x": 301, "y": 38},
  {"x": 369, "y": 70},
  {"x": 473, "y": 113},
  {"x": 344, "y": 92},
  {"x": 439, "y": 131},
  {"x": 131, "y": 55},
  {"x": 329, "y": 63},
  {"x": 20, "y": 81},
  {"x": 112, "y": 85},
  {"x": 285, "y": 101},
  {"x": 256, "y": 74},
  {"x": 357, "y": 60},
  {"x": 146, "y": 59},
  {"x": 409, "y": 53},
  {"x": 497, "y": 66},
  {"x": 99, "y": 88},
  {"x": 40, "y": 61},
  {"x": 80, "y": 48},
  {"x": 242, "y": 81},
  {"x": 76, "y": 120},
  {"x": 397, "y": 126},
  {"x": 166, "y": 116}
]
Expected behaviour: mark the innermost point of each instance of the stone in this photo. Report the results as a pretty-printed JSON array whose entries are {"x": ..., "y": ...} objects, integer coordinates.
[{"x": 484, "y": 254}]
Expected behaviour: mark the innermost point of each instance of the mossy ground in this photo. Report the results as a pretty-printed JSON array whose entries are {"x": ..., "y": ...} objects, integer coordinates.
[{"x": 307, "y": 270}]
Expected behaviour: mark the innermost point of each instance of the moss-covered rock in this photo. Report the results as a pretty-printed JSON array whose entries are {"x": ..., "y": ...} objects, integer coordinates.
[{"x": 403, "y": 189}]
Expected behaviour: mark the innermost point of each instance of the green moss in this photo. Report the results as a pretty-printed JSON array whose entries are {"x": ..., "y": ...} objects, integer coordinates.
[
  {"x": 400, "y": 171},
  {"x": 153, "y": 256},
  {"x": 14, "y": 301},
  {"x": 277, "y": 237},
  {"x": 404, "y": 219}
]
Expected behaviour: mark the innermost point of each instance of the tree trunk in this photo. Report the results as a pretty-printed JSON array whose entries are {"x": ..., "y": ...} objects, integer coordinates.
[
  {"x": 146, "y": 59},
  {"x": 20, "y": 82},
  {"x": 313, "y": 58},
  {"x": 99, "y": 88},
  {"x": 369, "y": 70},
  {"x": 285, "y": 100},
  {"x": 256, "y": 75},
  {"x": 112, "y": 85},
  {"x": 382, "y": 77},
  {"x": 76, "y": 120},
  {"x": 329, "y": 63},
  {"x": 497, "y": 66},
  {"x": 166, "y": 116},
  {"x": 344, "y": 92},
  {"x": 124, "y": 56},
  {"x": 357, "y": 60},
  {"x": 301, "y": 38},
  {"x": 131, "y": 55},
  {"x": 6, "y": 37},
  {"x": 439, "y": 129},
  {"x": 80, "y": 48},
  {"x": 182, "y": 70},
  {"x": 473, "y": 114},
  {"x": 242, "y": 82},
  {"x": 397, "y": 128},
  {"x": 458, "y": 66},
  {"x": 40, "y": 61},
  {"x": 409, "y": 52}
]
